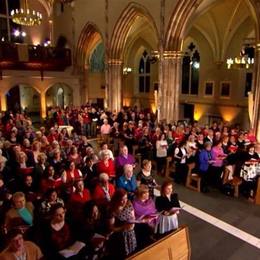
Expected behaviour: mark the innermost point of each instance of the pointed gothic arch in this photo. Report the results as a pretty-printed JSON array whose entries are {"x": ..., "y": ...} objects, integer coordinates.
[
  {"x": 181, "y": 15},
  {"x": 124, "y": 24},
  {"x": 89, "y": 37}
]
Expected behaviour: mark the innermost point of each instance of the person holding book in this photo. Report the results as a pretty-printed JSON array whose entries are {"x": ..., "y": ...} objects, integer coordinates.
[
  {"x": 144, "y": 206},
  {"x": 57, "y": 237},
  {"x": 218, "y": 156},
  {"x": 120, "y": 219},
  {"x": 91, "y": 230},
  {"x": 168, "y": 204},
  {"x": 50, "y": 180},
  {"x": 161, "y": 154},
  {"x": 205, "y": 160},
  {"x": 146, "y": 214}
]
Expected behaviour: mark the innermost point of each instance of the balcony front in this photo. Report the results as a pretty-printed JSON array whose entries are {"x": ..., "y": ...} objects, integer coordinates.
[{"x": 30, "y": 57}]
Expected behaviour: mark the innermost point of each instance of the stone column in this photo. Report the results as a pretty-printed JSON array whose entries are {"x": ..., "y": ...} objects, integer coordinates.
[
  {"x": 256, "y": 93},
  {"x": 170, "y": 86},
  {"x": 115, "y": 73},
  {"x": 84, "y": 84},
  {"x": 43, "y": 104},
  {"x": 3, "y": 102}
]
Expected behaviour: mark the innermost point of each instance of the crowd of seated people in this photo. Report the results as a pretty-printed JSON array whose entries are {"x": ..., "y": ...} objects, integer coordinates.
[{"x": 74, "y": 200}]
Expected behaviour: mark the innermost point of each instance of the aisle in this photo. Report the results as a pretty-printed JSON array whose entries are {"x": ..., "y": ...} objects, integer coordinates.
[{"x": 221, "y": 227}]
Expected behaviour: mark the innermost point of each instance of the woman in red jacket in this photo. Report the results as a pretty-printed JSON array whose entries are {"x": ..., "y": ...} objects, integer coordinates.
[
  {"x": 106, "y": 165},
  {"x": 103, "y": 191}
]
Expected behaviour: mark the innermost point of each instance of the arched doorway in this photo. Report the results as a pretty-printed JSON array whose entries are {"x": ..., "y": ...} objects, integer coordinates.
[
  {"x": 59, "y": 94},
  {"x": 24, "y": 98},
  {"x": 13, "y": 100}
]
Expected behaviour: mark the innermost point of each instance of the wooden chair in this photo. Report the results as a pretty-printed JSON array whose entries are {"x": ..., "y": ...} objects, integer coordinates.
[
  {"x": 235, "y": 182},
  {"x": 99, "y": 139},
  {"x": 193, "y": 180},
  {"x": 257, "y": 195},
  {"x": 135, "y": 150}
]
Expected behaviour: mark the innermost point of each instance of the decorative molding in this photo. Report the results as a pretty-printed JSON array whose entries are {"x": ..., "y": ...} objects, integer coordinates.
[
  {"x": 173, "y": 54},
  {"x": 115, "y": 62}
]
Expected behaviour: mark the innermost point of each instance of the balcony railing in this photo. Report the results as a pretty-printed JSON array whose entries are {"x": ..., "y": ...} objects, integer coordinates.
[{"x": 30, "y": 57}]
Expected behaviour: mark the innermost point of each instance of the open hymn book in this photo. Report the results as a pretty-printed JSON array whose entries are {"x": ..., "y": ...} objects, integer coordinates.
[
  {"x": 72, "y": 250},
  {"x": 153, "y": 216}
]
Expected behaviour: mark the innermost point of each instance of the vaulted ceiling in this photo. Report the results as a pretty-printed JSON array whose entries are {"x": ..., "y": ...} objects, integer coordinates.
[{"x": 220, "y": 21}]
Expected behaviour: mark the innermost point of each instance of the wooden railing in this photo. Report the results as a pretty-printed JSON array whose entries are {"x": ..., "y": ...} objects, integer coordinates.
[{"x": 175, "y": 246}]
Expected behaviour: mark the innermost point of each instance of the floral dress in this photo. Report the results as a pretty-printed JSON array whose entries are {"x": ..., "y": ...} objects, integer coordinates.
[
  {"x": 123, "y": 243},
  {"x": 127, "y": 215}
]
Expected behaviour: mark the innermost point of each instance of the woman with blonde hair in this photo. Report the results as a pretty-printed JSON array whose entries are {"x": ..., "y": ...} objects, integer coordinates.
[
  {"x": 146, "y": 212},
  {"x": 146, "y": 177},
  {"x": 36, "y": 150}
]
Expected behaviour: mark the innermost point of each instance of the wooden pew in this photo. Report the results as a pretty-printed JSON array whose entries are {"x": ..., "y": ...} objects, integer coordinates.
[
  {"x": 193, "y": 180},
  {"x": 257, "y": 194},
  {"x": 256, "y": 197},
  {"x": 175, "y": 246}
]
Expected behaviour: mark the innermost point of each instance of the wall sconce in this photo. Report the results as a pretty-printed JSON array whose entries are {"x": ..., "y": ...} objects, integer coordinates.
[
  {"x": 154, "y": 56},
  {"x": 127, "y": 70}
]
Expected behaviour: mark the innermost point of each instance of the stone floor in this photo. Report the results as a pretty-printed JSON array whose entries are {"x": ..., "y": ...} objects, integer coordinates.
[{"x": 211, "y": 242}]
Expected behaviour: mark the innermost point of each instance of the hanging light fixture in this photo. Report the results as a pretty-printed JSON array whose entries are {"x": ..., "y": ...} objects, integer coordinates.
[
  {"x": 245, "y": 60},
  {"x": 25, "y": 15}
]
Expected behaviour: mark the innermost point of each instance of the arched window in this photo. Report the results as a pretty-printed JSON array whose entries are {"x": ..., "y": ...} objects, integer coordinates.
[
  {"x": 144, "y": 73},
  {"x": 97, "y": 59},
  {"x": 190, "y": 71},
  {"x": 60, "y": 97}
]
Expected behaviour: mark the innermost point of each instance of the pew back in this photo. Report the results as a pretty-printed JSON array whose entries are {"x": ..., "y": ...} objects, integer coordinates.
[{"x": 175, "y": 246}]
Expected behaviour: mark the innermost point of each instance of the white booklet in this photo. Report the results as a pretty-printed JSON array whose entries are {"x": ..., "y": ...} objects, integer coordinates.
[
  {"x": 174, "y": 210},
  {"x": 148, "y": 218},
  {"x": 72, "y": 250}
]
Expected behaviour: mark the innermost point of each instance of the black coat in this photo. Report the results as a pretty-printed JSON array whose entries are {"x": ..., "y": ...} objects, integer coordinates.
[{"x": 163, "y": 203}]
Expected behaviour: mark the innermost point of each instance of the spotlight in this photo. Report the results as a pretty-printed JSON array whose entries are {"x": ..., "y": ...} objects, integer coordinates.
[
  {"x": 17, "y": 33},
  {"x": 23, "y": 34},
  {"x": 47, "y": 43},
  {"x": 196, "y": 65}
]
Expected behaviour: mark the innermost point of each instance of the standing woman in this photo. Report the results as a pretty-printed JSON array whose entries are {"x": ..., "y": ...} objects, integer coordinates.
[
  {"x": 165, "y": 203},
  {"x": 205, "y": 159},
  {"x": 180, "y": 156},
  {"x": 161, "y": 154},
  {"x": 120, "y": 221},
  {"x": 218, "y": 157},
  {"x": 146, "y": 177}
]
